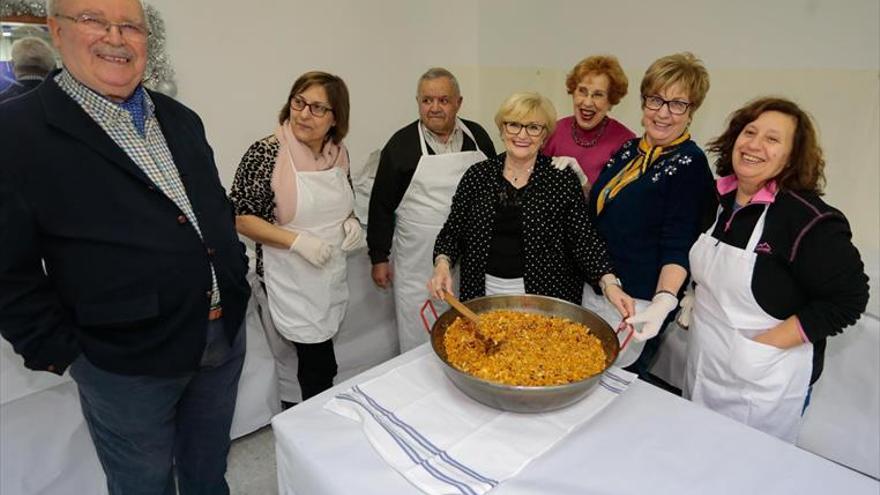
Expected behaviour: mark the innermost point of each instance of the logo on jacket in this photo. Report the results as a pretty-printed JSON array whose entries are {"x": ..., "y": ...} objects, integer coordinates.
[{"x": 764, "y": 247}]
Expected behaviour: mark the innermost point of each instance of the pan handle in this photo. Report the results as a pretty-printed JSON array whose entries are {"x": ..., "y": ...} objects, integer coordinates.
[
  {"x": 428, "y": 304},
  {"x": 620, "y": 328}
]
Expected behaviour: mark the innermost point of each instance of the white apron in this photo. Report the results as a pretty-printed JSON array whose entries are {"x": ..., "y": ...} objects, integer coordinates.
[
  {"x": 497, "y": 286},
  {"x": 754, "y": 383},
  {"x": 599, "y": 305},
  {"x": 307, "y": 303},
  {"x": 420, "y": 216}
]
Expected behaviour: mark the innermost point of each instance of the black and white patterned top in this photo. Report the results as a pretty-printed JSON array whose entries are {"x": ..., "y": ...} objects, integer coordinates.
[
  {"x": 560, "y": 245},
  {"x": 251, "y": 192}
]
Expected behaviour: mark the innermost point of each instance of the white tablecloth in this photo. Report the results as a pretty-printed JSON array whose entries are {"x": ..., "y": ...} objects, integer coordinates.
[
  {"x": 645, "y": 441},
  {"x": 45, "y": 447}
]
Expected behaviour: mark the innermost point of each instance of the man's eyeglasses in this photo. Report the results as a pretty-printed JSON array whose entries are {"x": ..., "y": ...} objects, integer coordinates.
[
  {"x": 316, "y": 109},
  {"x": 533, "y": 130},
  {"x": 676, "y": 107},
  {"x": 100, "y": 26}
]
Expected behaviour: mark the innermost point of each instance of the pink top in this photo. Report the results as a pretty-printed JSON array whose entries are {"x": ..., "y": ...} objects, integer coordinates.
[{"x": 593, "y": 158}]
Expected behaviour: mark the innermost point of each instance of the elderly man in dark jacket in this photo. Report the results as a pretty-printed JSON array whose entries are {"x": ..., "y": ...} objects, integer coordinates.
[{"x": 119, "y": 259}]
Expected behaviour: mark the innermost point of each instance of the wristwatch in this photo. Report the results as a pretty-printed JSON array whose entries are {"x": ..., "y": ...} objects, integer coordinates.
[
  {"x": 442, "y": 257},
  {"x": 603, "y": 284}
]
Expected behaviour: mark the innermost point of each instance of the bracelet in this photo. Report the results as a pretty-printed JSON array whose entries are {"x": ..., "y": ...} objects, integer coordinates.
[
  {"x": 664, "y": 291},
  {"x": 444, "y": 258},
  {"x": 603, "y": 285}
]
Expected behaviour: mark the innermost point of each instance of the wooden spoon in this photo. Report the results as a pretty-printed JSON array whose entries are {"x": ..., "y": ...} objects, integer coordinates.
[{"x": 489, "y": 344}]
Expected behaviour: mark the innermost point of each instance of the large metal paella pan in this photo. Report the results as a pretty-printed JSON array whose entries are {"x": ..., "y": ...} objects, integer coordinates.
[{"x": 525, "y": 399}]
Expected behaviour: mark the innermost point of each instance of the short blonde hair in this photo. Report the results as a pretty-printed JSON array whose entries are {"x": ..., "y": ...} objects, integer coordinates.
[
  {"x": 683, "y": 69},
  {"x": 520, "y": 106},
  {"x": 608, "y": 65}
]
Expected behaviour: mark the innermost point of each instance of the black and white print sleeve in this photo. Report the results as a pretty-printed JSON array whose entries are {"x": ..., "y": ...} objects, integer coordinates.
[{"x": 251, "y": 191}]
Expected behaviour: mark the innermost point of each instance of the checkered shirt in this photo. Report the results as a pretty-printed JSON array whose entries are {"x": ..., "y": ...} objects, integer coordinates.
[{"x": 150, "y": 152}]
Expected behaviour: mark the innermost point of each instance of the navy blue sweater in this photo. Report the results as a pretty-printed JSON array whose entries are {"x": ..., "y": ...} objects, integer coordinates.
[{"x": 654, "y": 220}]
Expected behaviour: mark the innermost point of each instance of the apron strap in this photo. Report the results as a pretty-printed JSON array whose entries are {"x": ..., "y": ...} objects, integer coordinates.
[
  {"x": 717, "y": 216},
  {"x": 757, "y": 232},
  {"x": 467, "y": 131},
  {"x": 458, "y": 123},
  {"x": 422, "y": 139}
]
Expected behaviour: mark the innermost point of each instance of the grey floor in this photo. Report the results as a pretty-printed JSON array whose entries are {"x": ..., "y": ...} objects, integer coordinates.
[{"x": 251, "y": 468}]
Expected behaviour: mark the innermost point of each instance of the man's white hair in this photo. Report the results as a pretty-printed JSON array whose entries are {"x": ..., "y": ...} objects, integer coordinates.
[
  {"x": 32, "y": 55},
  {"x": 436, "y": 73}
]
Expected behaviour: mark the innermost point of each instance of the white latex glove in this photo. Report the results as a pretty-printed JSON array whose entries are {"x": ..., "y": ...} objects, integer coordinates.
[
  {"x": 354, "y": 236},
  {"x": 314, "y": 250},
  {"x": 687, "y": 307},
  {"x": 560, "y": 162},
  {"x": 652, "y": 317}
]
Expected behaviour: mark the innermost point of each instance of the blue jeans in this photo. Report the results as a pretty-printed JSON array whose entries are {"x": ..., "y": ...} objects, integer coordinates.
[{"x": 146, "y": 428}]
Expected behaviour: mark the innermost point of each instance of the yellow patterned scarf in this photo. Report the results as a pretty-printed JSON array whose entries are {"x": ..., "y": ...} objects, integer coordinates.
[{"x": 635, "y": 168}]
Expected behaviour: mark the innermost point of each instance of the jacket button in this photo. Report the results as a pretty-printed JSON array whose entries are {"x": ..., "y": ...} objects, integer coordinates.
[
  {"x": 181, "y": 219},
  {"x": 211, "y": 251}
]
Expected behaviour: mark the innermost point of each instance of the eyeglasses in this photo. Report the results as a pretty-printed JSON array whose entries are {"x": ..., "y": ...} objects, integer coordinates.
[
  {"x": 100, "y": 26},
  {"x": 316, "y": 109},
  {"x": 533, "y": 130},
  {"x": 676, "y": 107},
  {"x": 595, "y": 95}
]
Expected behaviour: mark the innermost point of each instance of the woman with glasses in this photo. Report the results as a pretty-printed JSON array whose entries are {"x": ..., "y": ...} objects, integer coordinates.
[
  {"x": 649, "y": 202},
  {"x": 292, "y": 196},
  {"x": 517, "y": 224},
  {"x": 589, "y": 137}
]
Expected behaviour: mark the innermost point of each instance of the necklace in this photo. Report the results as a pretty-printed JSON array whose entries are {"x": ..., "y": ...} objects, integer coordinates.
[
  {"x": 588, "y": 144},
  {"x": 515, "y": 176}
]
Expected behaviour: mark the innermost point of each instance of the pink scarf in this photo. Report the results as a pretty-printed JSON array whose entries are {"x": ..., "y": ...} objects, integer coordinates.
[{"x": 292, "y": 156}]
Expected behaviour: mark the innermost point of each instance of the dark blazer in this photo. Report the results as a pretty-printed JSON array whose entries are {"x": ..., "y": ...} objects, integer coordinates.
[{"x": 124, "y": 276}]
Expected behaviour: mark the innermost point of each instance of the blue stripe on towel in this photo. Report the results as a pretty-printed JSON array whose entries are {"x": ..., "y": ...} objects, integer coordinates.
[
  {"x": 610, "y": 385},
  {"x": 406, "y": 448},
  {"x": 610, "y": 388},
  {"x": 610, "y": 374},
  {"x": 424, "y": 442},
  {"x": 409, "y": 450}
]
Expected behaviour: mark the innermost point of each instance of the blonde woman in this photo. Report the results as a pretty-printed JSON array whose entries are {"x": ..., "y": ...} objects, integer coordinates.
[{"x": 518, "y": 225}]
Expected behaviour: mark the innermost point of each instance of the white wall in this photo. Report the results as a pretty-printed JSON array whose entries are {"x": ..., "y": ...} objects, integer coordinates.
[{"x": 235, "y": 62}]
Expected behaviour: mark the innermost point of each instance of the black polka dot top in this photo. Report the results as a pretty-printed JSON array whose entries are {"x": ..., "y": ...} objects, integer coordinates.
[{"x": 562, "y": 250}]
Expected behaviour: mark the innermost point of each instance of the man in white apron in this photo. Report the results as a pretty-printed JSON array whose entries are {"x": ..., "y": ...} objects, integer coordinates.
[{"x": 418, "y": 172}]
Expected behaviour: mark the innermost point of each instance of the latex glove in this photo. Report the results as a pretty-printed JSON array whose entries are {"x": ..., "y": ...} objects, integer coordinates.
[
  {"x": 687, "y": 307},
  {"x": 561, "y": 162},
  {"x": 314, "y": 250},
  {"x": 441, "y": 281},
  {"x": 355, "y": 238},
  {"x": 651, "y": 319}
]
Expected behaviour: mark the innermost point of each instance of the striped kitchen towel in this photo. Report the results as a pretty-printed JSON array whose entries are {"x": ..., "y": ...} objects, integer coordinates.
[{"x": 444, "y": 442}]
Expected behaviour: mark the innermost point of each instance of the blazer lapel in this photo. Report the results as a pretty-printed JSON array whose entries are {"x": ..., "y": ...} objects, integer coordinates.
[
  {"x": 178, "y": 138},
  {"x": 65, "y": 114}
]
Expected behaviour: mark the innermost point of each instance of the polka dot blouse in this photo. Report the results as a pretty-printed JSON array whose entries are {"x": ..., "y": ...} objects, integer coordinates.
[{"x": 562, "y": 250}]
